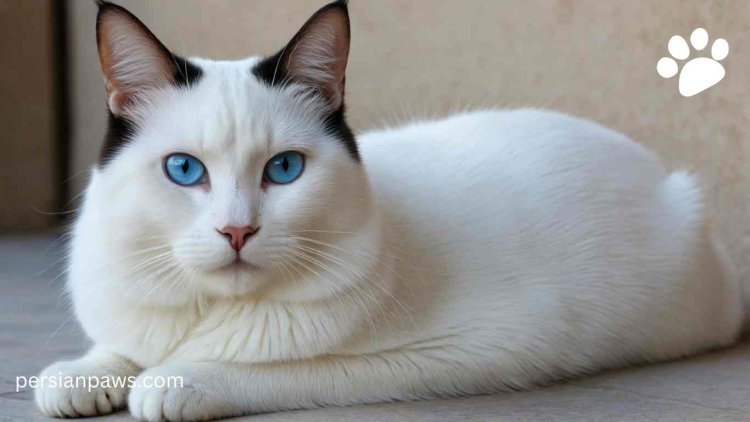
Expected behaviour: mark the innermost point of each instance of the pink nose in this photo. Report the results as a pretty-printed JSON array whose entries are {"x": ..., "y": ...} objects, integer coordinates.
[{"x": 237, "y": 236}]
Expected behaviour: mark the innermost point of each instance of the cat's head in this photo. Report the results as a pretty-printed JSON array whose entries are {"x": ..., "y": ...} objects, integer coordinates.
[{"x": 213, "y": 173}]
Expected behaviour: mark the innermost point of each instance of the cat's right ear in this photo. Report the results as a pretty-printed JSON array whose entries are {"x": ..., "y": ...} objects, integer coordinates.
[{"x": 133, "y": 60}]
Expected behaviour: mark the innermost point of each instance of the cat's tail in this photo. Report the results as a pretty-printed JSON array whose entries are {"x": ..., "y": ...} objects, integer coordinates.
[{"x": 691, "y": 216}]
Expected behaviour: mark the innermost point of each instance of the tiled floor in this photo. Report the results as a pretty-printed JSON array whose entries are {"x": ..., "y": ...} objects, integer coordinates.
[{"x": 35, "y": 329}]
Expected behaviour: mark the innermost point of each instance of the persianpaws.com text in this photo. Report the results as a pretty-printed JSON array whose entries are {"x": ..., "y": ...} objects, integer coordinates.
[{"x": 93, "y": 382}]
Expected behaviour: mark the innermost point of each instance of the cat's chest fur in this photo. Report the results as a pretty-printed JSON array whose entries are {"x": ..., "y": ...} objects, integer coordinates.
[
  {"x": 222, "y": 330},
  {"x": 245, "y": 330}
]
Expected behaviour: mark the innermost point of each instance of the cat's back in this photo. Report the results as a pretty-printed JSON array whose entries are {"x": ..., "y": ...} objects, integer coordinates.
[
  {"x": 473, "y": 146},
  {"x": 494, "y": 209},
  {"x": 479, "y": 188},
  {"x": 481, "y": 162}
]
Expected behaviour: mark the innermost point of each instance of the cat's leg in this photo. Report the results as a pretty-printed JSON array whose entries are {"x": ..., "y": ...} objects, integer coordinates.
[
  {"x": 95, "y": 384},
  {"x": 216, "y": 390}
]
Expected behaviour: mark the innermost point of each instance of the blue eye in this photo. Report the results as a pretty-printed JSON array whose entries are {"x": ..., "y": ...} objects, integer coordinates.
[
  {"x": 184, "y": 169},
  {"x": 285, "y": 167}
]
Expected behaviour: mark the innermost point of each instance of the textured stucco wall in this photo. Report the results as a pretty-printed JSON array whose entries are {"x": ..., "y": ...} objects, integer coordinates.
[{"x": 591, "y": 58}]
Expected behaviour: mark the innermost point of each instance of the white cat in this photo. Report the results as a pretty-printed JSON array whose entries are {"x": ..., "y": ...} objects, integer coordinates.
[{"x": 236, "y": 236}]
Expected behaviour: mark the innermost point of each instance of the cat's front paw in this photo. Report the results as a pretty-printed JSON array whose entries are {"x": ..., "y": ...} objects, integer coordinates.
[
  {"x": 78, "y": 388},
  {"x": 177, "y": 393}
]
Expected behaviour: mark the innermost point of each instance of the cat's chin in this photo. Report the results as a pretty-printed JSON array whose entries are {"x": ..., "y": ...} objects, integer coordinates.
[{"x": 234, "y": 279}]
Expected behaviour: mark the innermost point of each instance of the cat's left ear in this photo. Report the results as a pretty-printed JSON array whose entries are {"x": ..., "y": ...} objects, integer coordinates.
[{"x": 316, "y": 56}]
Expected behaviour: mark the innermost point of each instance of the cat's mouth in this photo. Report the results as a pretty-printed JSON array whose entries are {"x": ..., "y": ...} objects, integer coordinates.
[{"x": 238, "y": 265}]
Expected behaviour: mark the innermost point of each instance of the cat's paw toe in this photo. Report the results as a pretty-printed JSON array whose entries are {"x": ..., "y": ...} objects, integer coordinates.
[
  {"x": 71, "y": 389},
  {"x": 172, "y": 393}
]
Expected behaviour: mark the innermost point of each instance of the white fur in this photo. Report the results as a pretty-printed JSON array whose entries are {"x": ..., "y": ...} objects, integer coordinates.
[{"x": 487, "y": 251}]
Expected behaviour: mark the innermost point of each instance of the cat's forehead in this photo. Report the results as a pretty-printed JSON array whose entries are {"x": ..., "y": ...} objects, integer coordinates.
[{"x": 230, "y": 110}]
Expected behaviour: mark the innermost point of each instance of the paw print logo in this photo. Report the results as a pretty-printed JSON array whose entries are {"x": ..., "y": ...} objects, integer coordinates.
[{"x": 697, "y": 74}]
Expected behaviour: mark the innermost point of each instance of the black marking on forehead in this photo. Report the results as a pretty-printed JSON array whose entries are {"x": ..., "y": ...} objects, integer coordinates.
[
  {"x": 186, "y": 73},
  {"x": 270, "y": 73},
  {"x": 120, "y": 130},
  {"x": 336, "y": 125}
]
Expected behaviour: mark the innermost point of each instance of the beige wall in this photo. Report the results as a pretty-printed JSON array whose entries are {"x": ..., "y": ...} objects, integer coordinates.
[
  {"x": 592, "y": 58},
  {"x": 28, "y": 126}
]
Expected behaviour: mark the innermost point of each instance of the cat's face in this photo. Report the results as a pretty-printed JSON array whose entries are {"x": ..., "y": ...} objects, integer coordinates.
[{"x": 217, "y": 170}]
